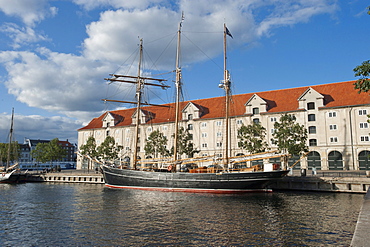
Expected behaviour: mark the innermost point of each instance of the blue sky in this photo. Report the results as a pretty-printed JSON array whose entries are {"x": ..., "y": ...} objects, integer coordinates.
[{"x": 54, "y": 55}]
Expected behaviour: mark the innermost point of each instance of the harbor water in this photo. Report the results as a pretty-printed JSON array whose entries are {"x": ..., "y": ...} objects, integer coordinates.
[{"x": 52, "y": 214}]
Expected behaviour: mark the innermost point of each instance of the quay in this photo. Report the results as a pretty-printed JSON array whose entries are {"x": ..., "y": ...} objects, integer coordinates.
[
  {"x": 68, "y": 176},
  {"x": 361, "y": 235},
  {"x": 324, "y": 181}
]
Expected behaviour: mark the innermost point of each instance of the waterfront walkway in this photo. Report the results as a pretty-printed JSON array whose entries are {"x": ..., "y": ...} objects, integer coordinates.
[{"x": 361, "y": 235}]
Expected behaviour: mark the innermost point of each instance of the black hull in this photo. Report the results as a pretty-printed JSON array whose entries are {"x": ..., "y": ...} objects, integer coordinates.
[
  {"x": 15, "y": 178},
  {"x": 235, "y": 182}
]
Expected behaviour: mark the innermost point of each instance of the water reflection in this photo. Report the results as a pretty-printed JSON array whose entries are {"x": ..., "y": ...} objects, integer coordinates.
[{"x": 82, "y": 215}]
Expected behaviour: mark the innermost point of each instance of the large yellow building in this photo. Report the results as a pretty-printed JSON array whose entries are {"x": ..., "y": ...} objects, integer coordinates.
[{"x": 335, "y": 115}]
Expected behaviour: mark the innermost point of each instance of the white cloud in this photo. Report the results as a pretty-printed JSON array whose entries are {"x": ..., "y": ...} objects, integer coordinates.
[
  {"x": 21, "y": 35},
  {"x": 29, "y": 11},
  {"x": 73, "y": 84},
  {"x": 129, "y": 4},
  {"x": 55, "y": 81},
  {"x": 30, "y": 126}
]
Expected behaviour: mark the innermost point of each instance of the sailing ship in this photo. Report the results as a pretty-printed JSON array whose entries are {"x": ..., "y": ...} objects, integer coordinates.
[
  {"x": 215, "y": 179},
  {"x": 10, "y": 173}
]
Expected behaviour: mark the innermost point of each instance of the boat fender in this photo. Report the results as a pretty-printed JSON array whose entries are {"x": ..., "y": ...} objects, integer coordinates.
[{"x": 169, "y": 168}]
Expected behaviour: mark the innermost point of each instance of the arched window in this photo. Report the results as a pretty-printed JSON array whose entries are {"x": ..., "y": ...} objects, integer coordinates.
[
  {"x": 364, "y": 160},
  {"x": 293, "y": 160},
  {"x": 335, "y": 160},
  {"x": 314, "y": 160}
]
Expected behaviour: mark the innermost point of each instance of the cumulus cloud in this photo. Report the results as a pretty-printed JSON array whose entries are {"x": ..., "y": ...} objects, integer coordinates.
[
  {"x": 29, "y": 11},
  {"x": 72, "y": 84},
  {"x": 30, "y": 126}
]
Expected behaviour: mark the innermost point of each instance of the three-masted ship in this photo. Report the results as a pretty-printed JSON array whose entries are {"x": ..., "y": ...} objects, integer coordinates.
[{"x": 225, "y": 179}]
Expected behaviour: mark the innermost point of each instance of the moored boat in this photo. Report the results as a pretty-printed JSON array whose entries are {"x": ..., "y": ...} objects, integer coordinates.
[{"x": 168, "y": 175}]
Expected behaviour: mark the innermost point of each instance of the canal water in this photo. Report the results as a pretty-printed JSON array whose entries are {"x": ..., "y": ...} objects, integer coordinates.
[{"x": 46, "y": 214}]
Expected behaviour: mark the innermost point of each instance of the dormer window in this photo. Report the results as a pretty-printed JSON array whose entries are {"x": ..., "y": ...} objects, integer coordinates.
[
  {"x": 256, "y": 110},
  {"x": 311, "y": 106},
  {"x": 190, "y": 116},
  {"x": 256, "y": 120}
]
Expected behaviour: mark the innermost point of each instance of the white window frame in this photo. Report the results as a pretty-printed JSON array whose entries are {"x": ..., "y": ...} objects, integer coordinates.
[
  {"x": 364, "y": 138},
  {"x": 332, "y": 114},
  {"x": 364, "y": 125},
  {"x": 362, "y": 112},
  {"x": 333, "y": 139},
  {"x": 333, "y": 127}
]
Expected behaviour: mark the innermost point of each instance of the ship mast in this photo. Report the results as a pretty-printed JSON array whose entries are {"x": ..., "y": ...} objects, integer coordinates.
[
  {"x": 226, "y": 87},
  {"x": 139, "y": 88},
  {"x": 140, "y": 82},
  {"x": 10, "y": 141},
  {"x": 178, "y": 94}
]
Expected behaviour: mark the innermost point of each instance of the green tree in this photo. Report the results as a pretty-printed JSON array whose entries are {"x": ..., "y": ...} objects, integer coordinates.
[
  {"x": 156, "y": 144},
  {"x": 252, "y": 138},
  {"x": 184, "y": 143},
  {"x": 49, "y": 152},
  {"x": 108, "y": 150},
  {"x": 290, "y": 136},
  {"x": 89, "y": 149},
  {"x": 14, "y": 152},
  {"x": 363, "y": 70}
]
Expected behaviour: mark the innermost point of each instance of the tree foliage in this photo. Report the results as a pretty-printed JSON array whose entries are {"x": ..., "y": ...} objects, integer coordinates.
[
  {"x": 156, "y": 144},
  {"x": 49, "y": 152},
  {"x": 363, "y": 70},
  {"x": 14, "y": 152},
  {"x": 108, "y": 150},
  {"x": 291, "y": 137},
  {"x": 89, "y": 150},
  {"x": 252, "y": 138},
  {"x": 184, "y": 143}
]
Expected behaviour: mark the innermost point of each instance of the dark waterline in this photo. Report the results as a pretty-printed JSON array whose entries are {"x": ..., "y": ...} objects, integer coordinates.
[{"x": 45, "y": 214}]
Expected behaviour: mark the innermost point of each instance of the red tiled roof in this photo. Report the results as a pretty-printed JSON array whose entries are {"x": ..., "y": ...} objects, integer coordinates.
[{"x": 335, "y": 95}]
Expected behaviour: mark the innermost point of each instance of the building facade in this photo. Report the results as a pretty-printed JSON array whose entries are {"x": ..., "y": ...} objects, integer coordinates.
[
  {"x": 30, "y": 144},
  {"x": 334, "y": 114}
]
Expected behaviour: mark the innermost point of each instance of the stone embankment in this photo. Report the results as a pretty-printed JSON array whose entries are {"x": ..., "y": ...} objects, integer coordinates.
[
  {"x": 361, "y": 236},
  {"x": 69, "y": 176}
]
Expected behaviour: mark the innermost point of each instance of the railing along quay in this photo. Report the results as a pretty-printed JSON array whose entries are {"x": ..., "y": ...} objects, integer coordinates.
[{"x": 68, "y": 176}]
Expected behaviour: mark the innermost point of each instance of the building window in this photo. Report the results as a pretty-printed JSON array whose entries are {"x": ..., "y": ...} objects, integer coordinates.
[
  {"x": 362, "y": 112},
  {"x": 204, "y": 134},
  {"x": 332, "y": 114},
  {"x": 190, "y": 136},
  {"x": 203, "y": 125},
  {"x": 273, "y": 131},
  {"x": 333, "y": 139},
  {"x": 108, "y": 124},
  {"x": 273, "y": 119},
  {"x": 311, "y": 117},
  {"x": 311, "y": 106},
  {"x": 190, "y": 127},
  {"x": 219, "y": 155},
  {"x": 312, "y": 142},
  {"x": 219, "y": 144},
  {"x": 364, "y": 125},
  {"x": 108, "y": 132},
  {"x": 149, "y": 129},
  {"x": 256, "y": 120},
  {"x": 256, "y": 110},
  {"x": 332, "y": 126},
  {"x": 364, "y": 138},
  {"x": 219, "y": 134},
  {"x": 218, "y": 123},
  {"x": 164, "y": 127},
  {"x": 190, "y": 116},
  {"x": 239, "y": 121},
  {"x": 312, "y": 130},
  {"x": 204, "y": 145}
]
